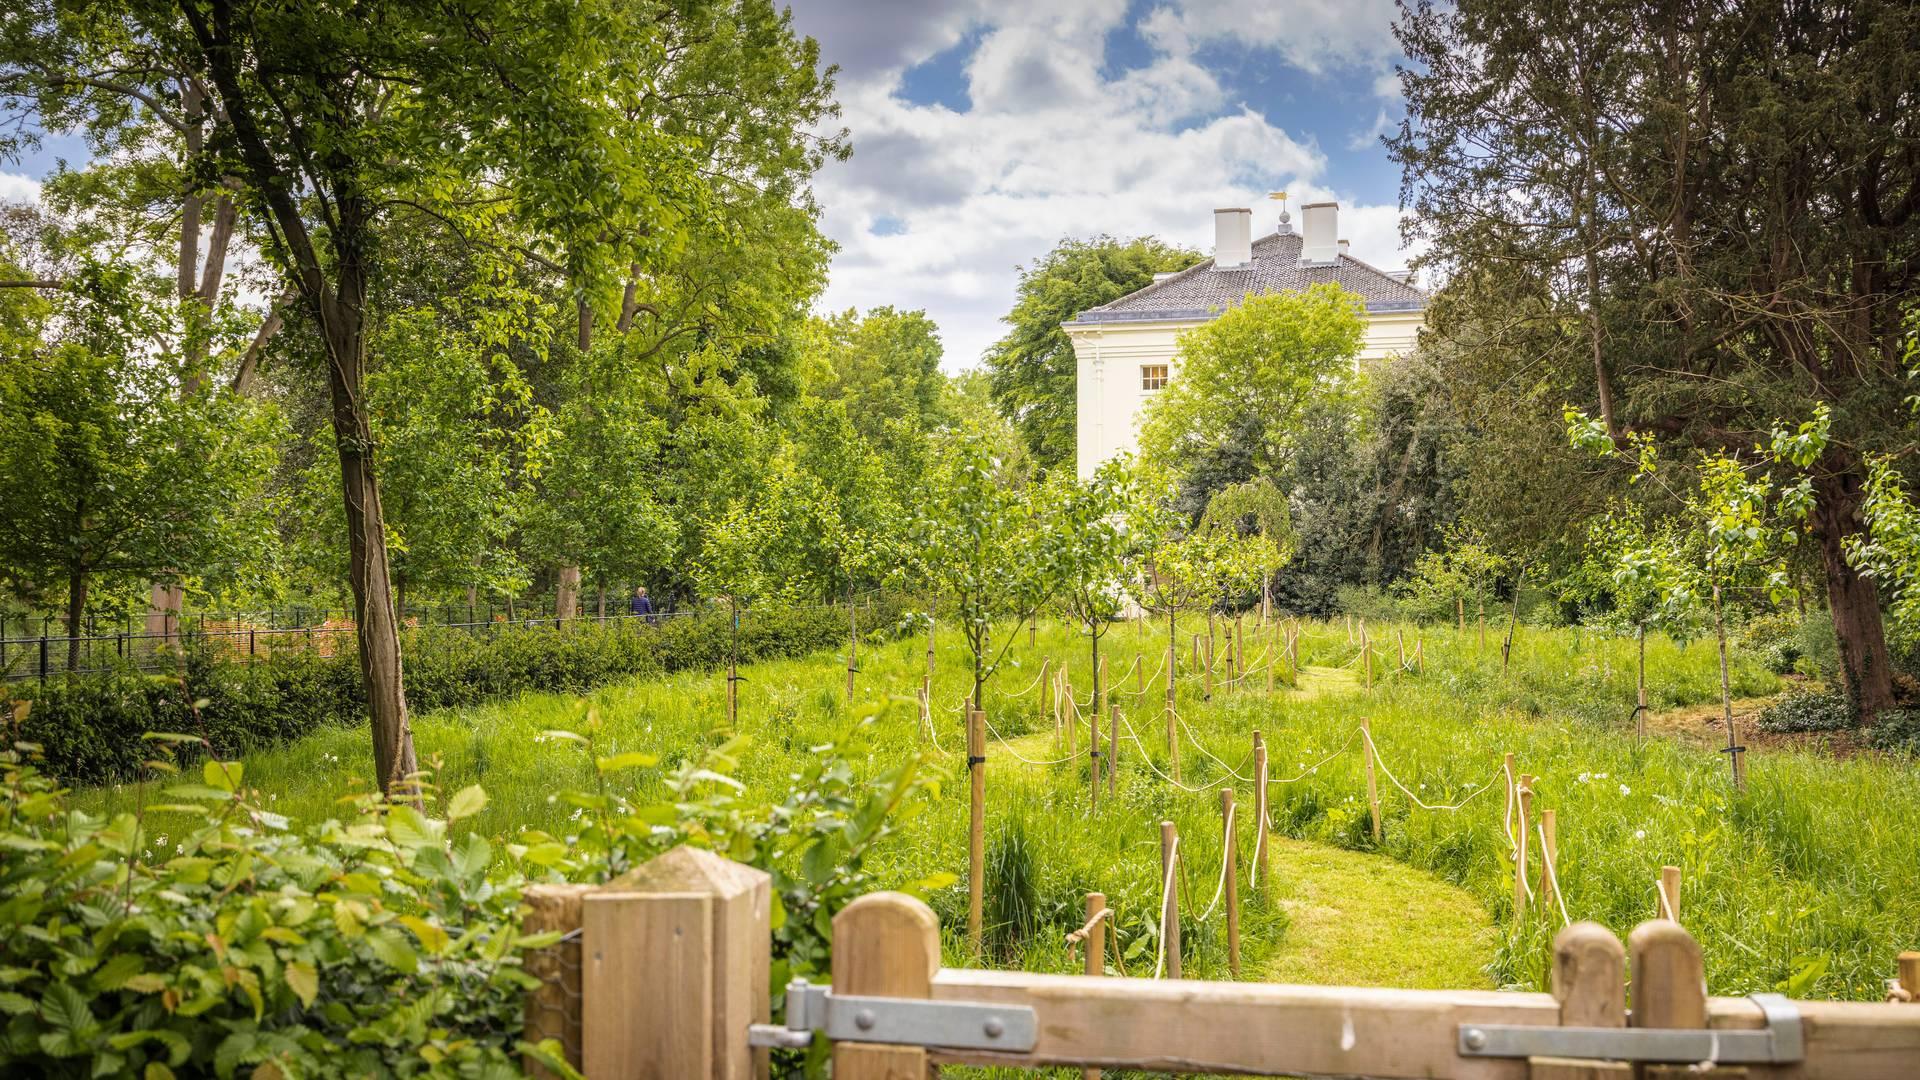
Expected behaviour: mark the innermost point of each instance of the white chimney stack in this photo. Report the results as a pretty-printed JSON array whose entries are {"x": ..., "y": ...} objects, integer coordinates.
[
  {"x": 1319, "y": 233},
  {"x": 1232, "y": 238}
]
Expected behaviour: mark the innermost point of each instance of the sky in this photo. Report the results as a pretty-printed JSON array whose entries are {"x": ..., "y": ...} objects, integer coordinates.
[{"x": 984, "y": 131}]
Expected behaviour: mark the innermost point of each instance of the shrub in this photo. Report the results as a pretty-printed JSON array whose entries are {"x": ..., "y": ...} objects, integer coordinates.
[
  {"x": 90, "y": 726},
  {"x": 1896, "y": 731},
  {"x": 215, "y": 938},
  {"x": 1775, "y": 638},
  {"x": 1808, "y": 710}
]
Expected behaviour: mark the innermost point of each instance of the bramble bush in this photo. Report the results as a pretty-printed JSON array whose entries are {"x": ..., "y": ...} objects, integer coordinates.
[
  {"x": 90, "y": 726},
  {"x": 1809, "y": 710}
]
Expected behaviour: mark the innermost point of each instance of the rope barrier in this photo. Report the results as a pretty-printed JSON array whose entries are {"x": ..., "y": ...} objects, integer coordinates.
[
  {"x": 1151, "y": 679},
  {"x": 1002, "y": 739},
  {"x": 1226, "y": 868},
  {"x": 1195, "y": 740},
  {"x": 1553, "y": 880},
  {"x": 1034, "y": 683},
  {"x": 1666, "y": 903},
  {"x": 1148, "y": 758},
  {"x": 1314, "y": 768},
  {"x": 1080, "y": 935},
  {"x": 1371, "y": 745}
]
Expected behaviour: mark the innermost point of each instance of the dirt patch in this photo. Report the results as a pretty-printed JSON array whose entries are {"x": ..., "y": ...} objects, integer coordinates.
[{"x": 1704, "y": 726}]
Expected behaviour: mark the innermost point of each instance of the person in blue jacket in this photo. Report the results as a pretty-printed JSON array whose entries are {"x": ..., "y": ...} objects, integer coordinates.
[{"x": 642, "y": 605}]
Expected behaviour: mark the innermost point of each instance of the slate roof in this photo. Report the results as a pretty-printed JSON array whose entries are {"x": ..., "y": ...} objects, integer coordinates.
[{"x": 1201, "y": 292}]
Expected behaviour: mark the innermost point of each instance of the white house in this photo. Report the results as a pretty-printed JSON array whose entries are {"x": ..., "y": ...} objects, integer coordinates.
[{"x": 1126, "y": 349}]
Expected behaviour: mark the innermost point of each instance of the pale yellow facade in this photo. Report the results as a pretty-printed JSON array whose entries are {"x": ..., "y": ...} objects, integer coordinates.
[{"x": 1112, "y": 356}]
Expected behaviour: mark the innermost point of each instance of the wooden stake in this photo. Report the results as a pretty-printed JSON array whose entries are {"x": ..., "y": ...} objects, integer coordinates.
[
  {"x": 1096, "y": 946},
  {"x": 976, "y": 829},
  {"x": 1373, "y": 792},
  {"x": 1366, "y": 653},
  {"x": 1400, "y": 646},
  {"x": 1460, "y": 608},
  {"x": 1260, "y": 854},
  {"x": 885, "y": 944},
  {"x": 1101, "y": 708},
  {"x": 1067, "y": 717},
  {"x": 1589, "y": 980},
  {"x": 1093, "y": 760},
  {"x": 1170, "y": 913},
  {"x": 1113, "y": 747},
  {"x": 1909, "y": 978},
  {"x": 1669, "y": 906},
  {"x": 1208, "y": 692},
  {"x": 1640, "y": 691},
  {"x": 1229, "y": 856},
  {"x": 1419, "y": 654},
  {"x": 1523, "y": 800},
  {"x": 1549, "y": 853},
  {"x": 1045, "y": 663}
]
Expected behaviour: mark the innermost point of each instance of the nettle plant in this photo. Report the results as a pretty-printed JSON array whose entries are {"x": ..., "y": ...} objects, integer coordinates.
[{"x": 201, "y": 935}]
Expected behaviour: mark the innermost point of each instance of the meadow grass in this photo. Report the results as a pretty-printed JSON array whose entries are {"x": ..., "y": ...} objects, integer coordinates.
[{"x": 1809, "y": 872}]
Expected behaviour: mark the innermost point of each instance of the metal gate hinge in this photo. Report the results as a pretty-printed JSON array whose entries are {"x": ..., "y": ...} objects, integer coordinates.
[
  {"x": 956, "y": 1025},
  {"x": 1779, "y": 1043}
]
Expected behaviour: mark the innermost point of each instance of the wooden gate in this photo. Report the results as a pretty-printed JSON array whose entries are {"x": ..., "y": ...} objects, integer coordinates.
[{"x": 673, "y": 970}]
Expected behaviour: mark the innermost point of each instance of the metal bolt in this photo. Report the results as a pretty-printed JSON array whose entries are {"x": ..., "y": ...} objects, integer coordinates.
[
  {"x": 995, "y": 1028},
  {"x": 864, "y": 1019},
  {"x": 1475, "y": 1039}
]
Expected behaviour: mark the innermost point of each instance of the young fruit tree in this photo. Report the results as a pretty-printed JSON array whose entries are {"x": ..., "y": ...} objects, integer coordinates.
[{"x": 1088, "y": 526}]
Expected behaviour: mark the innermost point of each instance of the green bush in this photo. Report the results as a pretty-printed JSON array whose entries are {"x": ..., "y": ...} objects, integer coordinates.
[
  {"x": 1808, "y": 710},
  {"x": 203, "y": 937},
  {"x": 91, "y": 725},
  {"x": 1897, "y": 731},
  {"x": 1775, "y": 638}
]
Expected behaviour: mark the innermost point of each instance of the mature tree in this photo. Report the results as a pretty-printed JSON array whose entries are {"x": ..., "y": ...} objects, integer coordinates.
[
  {"x": 885, "y": 366},
  {"x": 1247, "y": 377},
  {"x": 1258, "y": 508},
  {"x": 1033, "y": 371},
  {"x": 105, "y": 467},
  {"x": 1711, "y": 213}
]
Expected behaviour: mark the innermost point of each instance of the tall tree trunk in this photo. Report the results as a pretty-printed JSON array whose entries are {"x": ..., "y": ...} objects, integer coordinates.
[
  {"x": 76, "y": 612},
  {"x": 566, "y": 594},
  {"x": 1866, "y": 672}
]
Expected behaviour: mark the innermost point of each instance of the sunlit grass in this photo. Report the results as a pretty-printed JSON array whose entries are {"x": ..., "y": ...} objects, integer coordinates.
[{"x": 1814, "y": 860}]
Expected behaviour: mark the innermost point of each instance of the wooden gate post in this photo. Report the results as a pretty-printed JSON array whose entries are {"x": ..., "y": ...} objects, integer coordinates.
[
  {"x": 678, "y": 958},
  {"x": 976, "y": 825},
  {"x": 1669, "y": 988},
  {"x": 553, "y": 1010},
  {"x": 885, "y": 944},
  {"x": 1589, "y": 980}
]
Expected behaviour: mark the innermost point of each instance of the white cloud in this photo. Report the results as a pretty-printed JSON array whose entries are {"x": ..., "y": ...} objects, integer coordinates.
[
  {"x": 1051, "y": 149},
  {"x": 17, "y": 188},
  {"x": 1313, "y": 35}
]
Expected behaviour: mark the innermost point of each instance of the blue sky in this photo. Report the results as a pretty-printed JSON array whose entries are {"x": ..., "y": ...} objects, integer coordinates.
[{"x": 985, "y": 131}]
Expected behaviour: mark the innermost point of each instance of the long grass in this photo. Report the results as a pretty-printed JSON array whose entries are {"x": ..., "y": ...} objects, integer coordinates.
[{"x": 1807, "y": 878}]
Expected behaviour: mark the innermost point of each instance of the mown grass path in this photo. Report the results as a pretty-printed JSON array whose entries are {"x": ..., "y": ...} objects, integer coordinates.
[
  {"x": 1368, "y": 920},
  {"x": 1354, "y": 919}
]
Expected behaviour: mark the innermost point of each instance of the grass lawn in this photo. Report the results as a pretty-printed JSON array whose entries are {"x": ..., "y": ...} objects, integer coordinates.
[{"x": 1809, "y": 872}]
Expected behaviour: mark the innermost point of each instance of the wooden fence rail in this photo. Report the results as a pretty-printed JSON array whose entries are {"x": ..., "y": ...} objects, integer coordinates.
[{"x": 675, "y": 963}]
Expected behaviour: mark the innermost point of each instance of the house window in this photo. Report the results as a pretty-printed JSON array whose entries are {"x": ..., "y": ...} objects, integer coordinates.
[{"x": 1153, "y": 376}]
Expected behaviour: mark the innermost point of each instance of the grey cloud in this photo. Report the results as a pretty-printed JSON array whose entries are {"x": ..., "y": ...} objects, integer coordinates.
[
  {"x": 868, "y": 38},
  {"x": 911, "y": 172}
]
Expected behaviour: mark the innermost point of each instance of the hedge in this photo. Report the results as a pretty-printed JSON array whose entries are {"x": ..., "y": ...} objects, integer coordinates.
[{"x": 90, "y": 726}]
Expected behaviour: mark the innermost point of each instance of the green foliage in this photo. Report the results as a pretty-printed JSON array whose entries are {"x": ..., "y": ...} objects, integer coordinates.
[
  {"x": 1896, "y": 731},
  {"x": 202, "y": 935},
  {"x": 90, "y": 726},
  {"x": 1249, "y": 375},
  {"x": 1809, "y": 710},
  {"x": 1032, "y": 369}
]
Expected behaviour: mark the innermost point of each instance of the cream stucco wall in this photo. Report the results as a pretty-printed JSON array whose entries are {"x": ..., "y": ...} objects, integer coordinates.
[{"x": 1110, "y": 356}]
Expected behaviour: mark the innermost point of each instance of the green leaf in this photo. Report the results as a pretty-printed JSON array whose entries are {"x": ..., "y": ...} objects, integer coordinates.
[
  {"x": 466, "y": 802},
  {"x": 394, "y": 951},
  {"x": 224, "y": 775},
  {"x": 66, "y": 1008},
  {"x": 632, "y": 759},
  {"x": 304, "y": 981},
  {"x": 432, "y": 938},
  {"x": 115, "y": 972}
]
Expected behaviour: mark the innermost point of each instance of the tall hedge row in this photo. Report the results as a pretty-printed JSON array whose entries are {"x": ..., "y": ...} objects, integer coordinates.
[{"x": 91, "y": 725}]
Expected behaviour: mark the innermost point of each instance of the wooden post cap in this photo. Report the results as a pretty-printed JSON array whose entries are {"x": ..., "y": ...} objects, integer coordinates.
[
  {"x": 1669, "y": 976},
  {"x": 1590, "y": 976}
]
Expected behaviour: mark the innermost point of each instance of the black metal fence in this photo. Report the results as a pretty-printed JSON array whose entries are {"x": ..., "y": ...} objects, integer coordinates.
[{"x": 243, "y": 638}]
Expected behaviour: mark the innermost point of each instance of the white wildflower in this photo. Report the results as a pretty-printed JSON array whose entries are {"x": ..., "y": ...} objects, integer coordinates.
[
  {"x": 1583, "y": 778},
  {"x": 1625, "y": 790},
  {"x": 1639, "y": 834}
]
